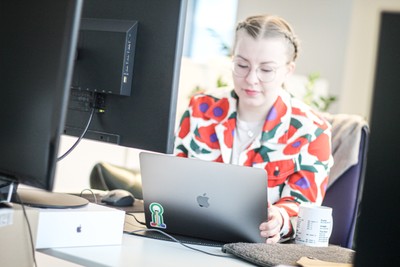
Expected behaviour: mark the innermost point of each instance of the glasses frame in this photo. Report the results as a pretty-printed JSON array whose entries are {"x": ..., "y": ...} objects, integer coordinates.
[{"x": 257, "y": 71}]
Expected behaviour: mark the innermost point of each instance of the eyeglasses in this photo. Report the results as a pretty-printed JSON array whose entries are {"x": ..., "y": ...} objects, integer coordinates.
[{"x": 264, "y": 72}]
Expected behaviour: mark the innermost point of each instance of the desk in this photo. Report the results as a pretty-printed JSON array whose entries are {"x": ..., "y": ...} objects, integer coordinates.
[
  {"x": 46, "y": 260},
  {"x": 143, "y": 251},
  {"x": 137, "y": 250}
]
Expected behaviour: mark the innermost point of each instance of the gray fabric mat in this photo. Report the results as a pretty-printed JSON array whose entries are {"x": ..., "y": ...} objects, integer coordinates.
[{"x": 287, "y": 254}]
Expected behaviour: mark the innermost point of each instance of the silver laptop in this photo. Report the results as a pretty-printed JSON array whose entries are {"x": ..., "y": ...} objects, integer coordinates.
[{"x": 202, "y": 199}]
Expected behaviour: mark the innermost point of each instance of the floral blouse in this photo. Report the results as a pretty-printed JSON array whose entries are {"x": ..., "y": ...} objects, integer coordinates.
[{"x": 294, "y": 147}]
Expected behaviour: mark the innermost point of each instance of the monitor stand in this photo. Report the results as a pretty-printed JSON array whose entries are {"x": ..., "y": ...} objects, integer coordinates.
[{"x": 44, "y": 199}]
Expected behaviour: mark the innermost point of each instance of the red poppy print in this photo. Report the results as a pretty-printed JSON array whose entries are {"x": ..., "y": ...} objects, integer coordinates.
[
  {"x": 219, "y": 159},
  {"x": 201, "y": 105},
  {"x": 297, "y": 111},
  {"x": 304, "y": 181},
  {"x": 283, "y": 139},
  {"x": 295, "y": 146},
  {"x": 289, "y": 204},
  {"x": 208, "y": 136},
  {"x": 229, "y": 132},
  {"x": 185, "y": 127},
  {"x": 278, "y": 171},
  {"x": 181, "y": 154},
  {"x": 218, "y": 110},
  {"x": 253, "y": 158},
  {"x": 275, "y": 115},
  {"x": 320, "y": 147},
  {"x": 323, "y": 186}
]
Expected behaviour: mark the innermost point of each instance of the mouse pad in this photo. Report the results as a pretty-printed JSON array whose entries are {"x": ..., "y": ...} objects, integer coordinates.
[{"x": 287, "y": 254}]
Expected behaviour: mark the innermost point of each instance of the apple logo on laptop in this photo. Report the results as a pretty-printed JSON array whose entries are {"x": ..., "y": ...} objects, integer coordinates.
[
  {"x": 203, "y": 201},
  {"x": 79, "y": 229}
]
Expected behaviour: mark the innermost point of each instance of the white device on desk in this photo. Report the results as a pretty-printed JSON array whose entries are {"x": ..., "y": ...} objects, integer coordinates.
[
  {"x": 91, "y": 225},
  {"x": 203, "y": 199}
]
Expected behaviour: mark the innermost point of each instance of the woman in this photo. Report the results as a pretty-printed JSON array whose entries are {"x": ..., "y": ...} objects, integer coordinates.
[{"x": 259, "y": 124}]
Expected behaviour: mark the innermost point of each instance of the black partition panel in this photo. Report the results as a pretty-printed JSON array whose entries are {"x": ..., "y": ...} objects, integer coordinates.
[{"x": 378, "y": 228}]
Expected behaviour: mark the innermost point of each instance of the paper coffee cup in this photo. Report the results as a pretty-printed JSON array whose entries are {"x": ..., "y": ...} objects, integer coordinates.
[{"x": 314, "y": 225}]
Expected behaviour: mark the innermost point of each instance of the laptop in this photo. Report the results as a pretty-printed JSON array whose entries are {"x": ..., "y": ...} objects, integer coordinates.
[{"x": 202, "y": 199}]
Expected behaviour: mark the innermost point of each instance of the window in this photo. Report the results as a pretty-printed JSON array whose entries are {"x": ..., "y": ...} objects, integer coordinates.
[{"x": 210, "y": 28}]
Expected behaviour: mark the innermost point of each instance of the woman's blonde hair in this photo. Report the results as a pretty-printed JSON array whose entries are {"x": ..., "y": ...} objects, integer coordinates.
[{"x": 270, "y": 26}]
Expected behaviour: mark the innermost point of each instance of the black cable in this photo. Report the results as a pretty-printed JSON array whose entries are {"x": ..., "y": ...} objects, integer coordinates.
[
  {"x": 80, "y": 137},
  {"x": 178, "y": 241},
  {"x": 29, "y": 229},
  {"x": 130, "y": 214}
]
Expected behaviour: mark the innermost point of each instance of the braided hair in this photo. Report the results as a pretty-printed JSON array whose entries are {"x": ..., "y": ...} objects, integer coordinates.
[{"x": 271, "y": 26}]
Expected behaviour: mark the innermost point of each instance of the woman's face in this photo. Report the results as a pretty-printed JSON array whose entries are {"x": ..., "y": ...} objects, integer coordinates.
[{"x": 265, "y": 60}]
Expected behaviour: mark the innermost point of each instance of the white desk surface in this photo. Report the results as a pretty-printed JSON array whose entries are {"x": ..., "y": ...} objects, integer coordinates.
[
  {"x": 142, "y": 251},
  {"x": 47, "y": 261}
]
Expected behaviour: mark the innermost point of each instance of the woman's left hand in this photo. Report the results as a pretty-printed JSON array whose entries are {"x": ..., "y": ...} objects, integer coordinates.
[{"x": 272, "y": 227}]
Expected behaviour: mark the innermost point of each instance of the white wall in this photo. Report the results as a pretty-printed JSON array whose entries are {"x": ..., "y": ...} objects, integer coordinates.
[{"x": 358, "y": 81}]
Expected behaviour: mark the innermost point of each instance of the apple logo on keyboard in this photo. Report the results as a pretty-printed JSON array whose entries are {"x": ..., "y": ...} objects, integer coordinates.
[{"x": 202, "y": 200}]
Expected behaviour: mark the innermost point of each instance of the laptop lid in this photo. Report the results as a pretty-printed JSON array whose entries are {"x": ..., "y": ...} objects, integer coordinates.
[{"x": 202, "y": 199}]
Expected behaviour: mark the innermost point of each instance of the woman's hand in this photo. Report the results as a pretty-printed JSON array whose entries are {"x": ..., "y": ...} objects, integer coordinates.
[{"x": 272, "y": 227}]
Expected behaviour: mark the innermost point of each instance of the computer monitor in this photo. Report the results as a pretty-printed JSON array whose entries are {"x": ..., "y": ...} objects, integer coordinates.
[
  {"x": 38, "y": 42},
  {"x": 127, "y": 71}
]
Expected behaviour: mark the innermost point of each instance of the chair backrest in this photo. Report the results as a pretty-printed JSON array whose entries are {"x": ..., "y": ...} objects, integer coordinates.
[
  {"x": 344, "y": 196},
  {"x": 106, "y": 176}
]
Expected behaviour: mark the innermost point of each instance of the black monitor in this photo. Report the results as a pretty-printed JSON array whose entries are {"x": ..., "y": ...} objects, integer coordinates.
[
  {"x": 378, "y": 226},
  {"x": 38, "y": 43},
  {"x": 127, "y": 72}
]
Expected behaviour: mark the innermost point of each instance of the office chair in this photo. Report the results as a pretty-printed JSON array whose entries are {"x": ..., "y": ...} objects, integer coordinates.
[
  {"x": 344, "y": 195},
  {"x": 106, "y": 176}
]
